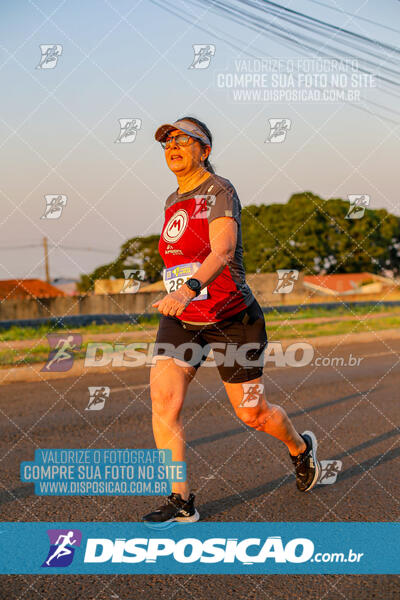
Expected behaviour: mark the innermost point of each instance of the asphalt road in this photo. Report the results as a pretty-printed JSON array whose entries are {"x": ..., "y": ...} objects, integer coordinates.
[{"x": 237, "y": 474}]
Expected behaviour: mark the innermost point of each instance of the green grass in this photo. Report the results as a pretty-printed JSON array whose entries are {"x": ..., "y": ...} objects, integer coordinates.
[
  {"x": 40, "y": 353},
  {"x": 277, "y": 332},
  {"x": 25, "y": 356},
  {"x": 31, "y": 333},
  {"x": 314, "y": 312}
]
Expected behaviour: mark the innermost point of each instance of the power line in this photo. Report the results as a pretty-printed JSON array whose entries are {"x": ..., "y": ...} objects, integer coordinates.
[
  {"x": 81, "y": 249},
  {"x": 259, "y": 25},
  {"x": 299, "y": 38},
  {"x": 20, "y": 247},
  {"x": 326, "y": 25},
  {"x": 102, "y": 250},
  {"x": 359, "y": 17},
  {"x": 290, "y": 38}
]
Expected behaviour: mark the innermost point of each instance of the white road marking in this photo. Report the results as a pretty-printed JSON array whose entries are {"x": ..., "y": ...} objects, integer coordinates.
[{"x": 126, "y": 388}]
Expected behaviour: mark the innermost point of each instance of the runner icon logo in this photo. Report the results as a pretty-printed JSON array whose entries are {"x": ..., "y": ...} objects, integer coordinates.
[
  {"x": 128, "y": 130},
  {"x": 252, "y": 394},
  {"x": 98, "y": 396},
  {"x": 358, "y": 204},
  {"x": 54, "y": 206},
  {"x": 203, "y": 206},
  {"x": 278, "y": 130},
  {"x": 202, "y": 55},
  {"x": 286, "y": 281},
  {"x": 50, "y": 54},
  {"x": 62, "y": 547},
  {"x": 61, "y": 355},
  {"x": 133, "y": 279},
  {"x": 330, "y": 469}
]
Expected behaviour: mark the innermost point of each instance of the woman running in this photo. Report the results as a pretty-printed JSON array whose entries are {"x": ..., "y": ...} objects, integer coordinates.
[{"x": 209, "y": 304}]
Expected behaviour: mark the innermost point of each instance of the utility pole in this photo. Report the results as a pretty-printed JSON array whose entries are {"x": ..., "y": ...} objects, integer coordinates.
[{"x": 46, "y": 259}]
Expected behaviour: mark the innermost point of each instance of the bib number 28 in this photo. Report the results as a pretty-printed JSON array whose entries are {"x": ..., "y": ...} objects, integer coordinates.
[
  {"x": 175, "y": 284},
  {"x": 175, "y": 277}
]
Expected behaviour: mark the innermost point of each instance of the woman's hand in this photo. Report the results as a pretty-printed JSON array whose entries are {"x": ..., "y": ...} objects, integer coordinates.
[{"x": 174, "y": 304}]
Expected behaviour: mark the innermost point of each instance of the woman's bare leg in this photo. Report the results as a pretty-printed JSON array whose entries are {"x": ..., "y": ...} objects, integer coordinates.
[
  {"x": 169, "y": 382},
  {"x": 256, "y": 412}
]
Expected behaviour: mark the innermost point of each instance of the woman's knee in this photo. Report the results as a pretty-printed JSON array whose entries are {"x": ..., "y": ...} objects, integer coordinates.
[
  {"x": 250, "y": 418},
  {"x": 258, "y": 418},
  {"x": 166, "y": 401}
]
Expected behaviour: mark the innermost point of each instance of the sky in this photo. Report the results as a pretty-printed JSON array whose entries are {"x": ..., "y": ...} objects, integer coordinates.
[{"x": 130, "y": 60}]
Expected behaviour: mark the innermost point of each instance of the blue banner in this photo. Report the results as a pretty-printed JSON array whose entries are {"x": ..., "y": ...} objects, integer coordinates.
[{"x": 201, "y": 548}]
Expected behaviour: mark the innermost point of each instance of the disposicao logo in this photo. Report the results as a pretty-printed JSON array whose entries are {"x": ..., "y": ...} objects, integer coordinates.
[
  {"x": 62, "y": 547},
  {"x": 190, "y": 550}
]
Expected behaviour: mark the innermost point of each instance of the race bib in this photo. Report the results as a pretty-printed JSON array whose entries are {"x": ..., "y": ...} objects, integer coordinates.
[{"x": 174, "y": 277}]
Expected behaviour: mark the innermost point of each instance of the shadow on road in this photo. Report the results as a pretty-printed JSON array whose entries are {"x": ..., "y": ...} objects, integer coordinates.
[
  {"x": 229, "y": 432},
  {"x": 216, "y": 506}
]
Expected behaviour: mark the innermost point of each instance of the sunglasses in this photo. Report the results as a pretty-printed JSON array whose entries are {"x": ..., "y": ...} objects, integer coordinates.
[{"x": 180, "y": 140}]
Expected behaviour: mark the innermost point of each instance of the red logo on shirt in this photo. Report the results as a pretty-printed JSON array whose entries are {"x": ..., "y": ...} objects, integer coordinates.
[{"x": 176, "y": 226}]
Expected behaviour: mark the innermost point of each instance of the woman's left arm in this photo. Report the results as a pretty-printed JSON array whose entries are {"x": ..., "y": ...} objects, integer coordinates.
[{"x": 223, "y": 236}]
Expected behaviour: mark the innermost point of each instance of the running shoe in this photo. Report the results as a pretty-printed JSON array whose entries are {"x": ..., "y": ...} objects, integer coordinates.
[
  {"x": 306, "y": 464},
  {"x": 174, "y": 509}
]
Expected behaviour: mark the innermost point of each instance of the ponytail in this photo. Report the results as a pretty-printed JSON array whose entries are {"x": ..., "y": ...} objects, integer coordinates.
[{"x": 208, "y": 166}]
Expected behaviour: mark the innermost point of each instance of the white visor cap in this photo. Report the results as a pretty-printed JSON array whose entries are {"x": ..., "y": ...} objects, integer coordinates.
[{"x": 186, "y": 126}]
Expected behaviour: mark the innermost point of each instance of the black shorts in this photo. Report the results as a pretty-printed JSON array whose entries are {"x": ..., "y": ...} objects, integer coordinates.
[{"x": 238, "y": 343}]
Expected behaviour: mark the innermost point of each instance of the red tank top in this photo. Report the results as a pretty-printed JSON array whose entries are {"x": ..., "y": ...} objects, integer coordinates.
[{"x": 185, "y": 243}]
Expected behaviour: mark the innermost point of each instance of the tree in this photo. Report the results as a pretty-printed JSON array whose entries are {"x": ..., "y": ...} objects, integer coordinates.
[
  {"x": 136, "y": 253},
  {"x": 308, "y": 233},
  {"x": 312, "y": 235}
]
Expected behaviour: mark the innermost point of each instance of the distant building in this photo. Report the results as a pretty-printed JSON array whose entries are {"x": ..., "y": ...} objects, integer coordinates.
[
  {"x": 69, "y": 286},
  {"x": 305, "y": 288},
  {"x": 348, "y": 283},
  {"x": 118, "y": 286},
  {"x": 11, "y": 289},
  {"x": 108, "y": 286},
  {"x": 158, "y": 286}
]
